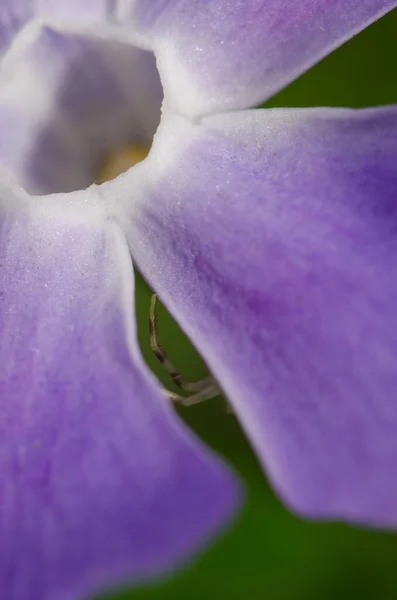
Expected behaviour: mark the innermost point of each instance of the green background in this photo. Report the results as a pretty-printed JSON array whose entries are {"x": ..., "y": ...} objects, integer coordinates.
[{"x": 269, "y": 553}]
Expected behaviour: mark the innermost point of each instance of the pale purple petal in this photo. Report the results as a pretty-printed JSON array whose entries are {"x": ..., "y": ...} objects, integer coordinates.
[
  {"x": 272, "y": 238},
  {"x": 15, "y": 14},
  {"x": 89, "y": 11},
  {"x": 100, "y": 482},
  {"x": 217, "y": 55}
]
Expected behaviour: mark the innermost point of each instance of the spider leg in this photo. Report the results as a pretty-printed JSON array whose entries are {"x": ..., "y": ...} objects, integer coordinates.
[
  {"x": 207, "y": 393},
  {"x": 199, "y": 390}
]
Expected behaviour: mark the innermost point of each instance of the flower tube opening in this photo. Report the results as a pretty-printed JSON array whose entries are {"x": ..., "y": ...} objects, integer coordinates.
[{"x": 70, "y": 102}]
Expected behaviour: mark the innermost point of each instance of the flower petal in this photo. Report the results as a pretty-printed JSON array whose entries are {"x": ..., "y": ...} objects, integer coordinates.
[
  {"x": 14, "y": 14},
  {"x": 100, "y": 483},
  {"x": 215, "y": 55},
  {"x": 272, "y": 238}
]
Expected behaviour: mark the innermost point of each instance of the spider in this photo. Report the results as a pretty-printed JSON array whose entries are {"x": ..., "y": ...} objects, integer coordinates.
[{"x": 198, "y": 391}]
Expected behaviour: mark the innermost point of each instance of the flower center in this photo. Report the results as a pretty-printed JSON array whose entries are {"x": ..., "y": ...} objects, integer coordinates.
[
  {"x": 69, "y": 102},
  {"x": 121, "y": 160}
]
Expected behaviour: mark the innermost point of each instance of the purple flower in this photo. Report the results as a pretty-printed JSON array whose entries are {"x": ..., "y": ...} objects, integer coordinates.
[{"x": 271, "y": 235}]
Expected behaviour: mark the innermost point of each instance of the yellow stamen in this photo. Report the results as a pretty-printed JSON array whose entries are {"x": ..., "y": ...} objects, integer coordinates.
[{"x": 121, "y": 160}]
